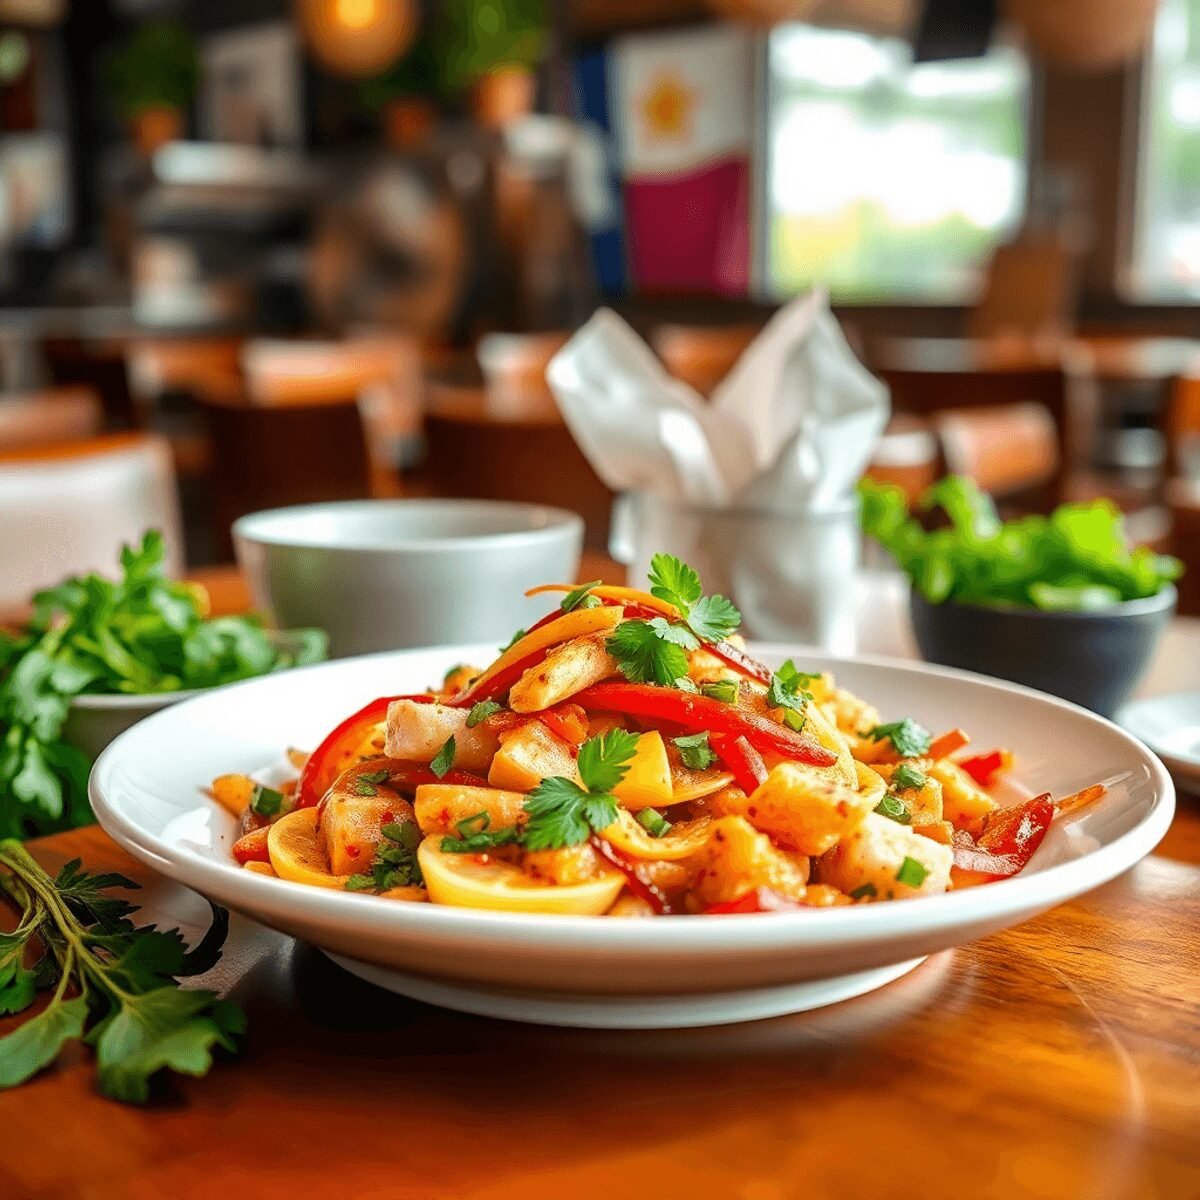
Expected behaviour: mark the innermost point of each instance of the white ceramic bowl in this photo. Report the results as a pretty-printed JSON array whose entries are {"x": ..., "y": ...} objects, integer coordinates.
[
  {"x": 377, "y": 574},
  {"x": 1170, "y": 726},
  {"x": 95, "y": 721},
  {"x": 147, "y": 792}
]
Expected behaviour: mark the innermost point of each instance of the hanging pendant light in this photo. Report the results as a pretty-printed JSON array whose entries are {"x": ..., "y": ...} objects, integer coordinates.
[
  {"x": 1087, "y": 34},
  {"x": 357, "y": 38}
]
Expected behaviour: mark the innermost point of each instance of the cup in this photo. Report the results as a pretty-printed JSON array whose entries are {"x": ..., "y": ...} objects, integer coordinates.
[
  {"x": 386, "y": 574},
  {"x": 792, "y": 574}
]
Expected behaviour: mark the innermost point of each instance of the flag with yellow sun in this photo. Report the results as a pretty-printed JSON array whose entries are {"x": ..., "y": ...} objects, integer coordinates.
[{"x": 681, "y": 107}]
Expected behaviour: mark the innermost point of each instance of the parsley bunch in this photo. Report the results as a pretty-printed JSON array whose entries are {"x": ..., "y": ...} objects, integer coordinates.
[
  {"x": 655, "y": 651},
  {"x": 126, "y": 1001},
  {"x": 142, "y": 633}
]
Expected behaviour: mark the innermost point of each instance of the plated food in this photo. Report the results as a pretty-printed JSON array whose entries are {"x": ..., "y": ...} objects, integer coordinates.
[{"x": 627, "y": 756}]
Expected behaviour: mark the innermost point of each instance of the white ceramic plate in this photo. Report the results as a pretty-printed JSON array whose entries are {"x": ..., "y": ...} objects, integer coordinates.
[
  {"x": 147, "y": 792},
  {"x": 1170, "y": 726}
]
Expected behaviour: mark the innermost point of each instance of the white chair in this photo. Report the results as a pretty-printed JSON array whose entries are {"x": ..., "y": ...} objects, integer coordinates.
[{"x": 69, "y": 508}]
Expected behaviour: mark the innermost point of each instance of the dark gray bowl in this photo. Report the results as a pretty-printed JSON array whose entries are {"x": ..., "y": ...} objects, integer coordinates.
[{"x": 1092, "y": 658}]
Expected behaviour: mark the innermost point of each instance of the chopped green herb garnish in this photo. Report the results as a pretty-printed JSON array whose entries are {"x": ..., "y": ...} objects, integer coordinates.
[
  {"x": 579, "y": 596},
  {"x": 443, "y": 760},
  {"x": 908, "y": 739},
  {"x": 863, "y": 891},
  {"x": 894, "y": 809},
  {"x": 645, "y": 655},
  {"x": 907, "y": 776},
  {"x": 481, "y": 711},
  {"x": 911, "y": 873},
  {"x": 561, "y": 812},
  {"x": 454, "y": 670},
  {"x": 785, "y": 692},
  {"x": 266, "y": 802},
  {"x": 365, "y": 784},
  {"x": 475, "y": 836},
  {"x": 653, "y": 822},
  {"x": 725, "y": 690},
  {"x": 395, "y": 863},
  {"x": 684, "y": 684},
  {"x": 695, "y": 751},
  {"x": 710, "y": 618}
]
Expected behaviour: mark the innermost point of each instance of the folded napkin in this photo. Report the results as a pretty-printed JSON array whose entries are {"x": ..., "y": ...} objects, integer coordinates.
[{"x": 791, "y": 427}]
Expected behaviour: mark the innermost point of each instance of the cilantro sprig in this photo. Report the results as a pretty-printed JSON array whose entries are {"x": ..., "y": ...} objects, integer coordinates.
[
  {"x": 475, "y": 835},
  {"x": 786, "y": 691},
  {"x": 655, "y": 650},
  {"x": 111, "y": 983},
  {"x": 139, "y": 633},
  {"x": 395, "y": 863},
  {"x": 695, "y": 751},
  {"x": 562, "y": 812},
  {"x": 909, "y": 740}
]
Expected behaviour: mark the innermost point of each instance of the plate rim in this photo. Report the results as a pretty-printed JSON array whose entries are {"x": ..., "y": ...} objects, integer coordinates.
[
  {"x": 1188, "y": 767},
  {"x": 1007, "y": 900}
]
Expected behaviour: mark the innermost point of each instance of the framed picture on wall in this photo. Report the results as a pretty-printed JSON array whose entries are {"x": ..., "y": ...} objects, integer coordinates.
[{"x": 250, "y": 92}]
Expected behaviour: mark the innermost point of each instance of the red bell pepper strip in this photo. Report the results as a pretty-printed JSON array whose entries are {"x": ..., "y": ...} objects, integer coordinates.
[
  {"x": 983, "y": 768},
  {"x": 642, "y": 889},
  {"x": 737, "y": 658},
  {"x": 759, "y": 900},
  {"x": 1008, "y": 841},
  {"x": 325, "y": 763},
  {"x": 498, "y": 684},
  {"x": 741, "y": 758},
  {"x": 568, "y": 721},
  {"x": 702, "y": 713}
]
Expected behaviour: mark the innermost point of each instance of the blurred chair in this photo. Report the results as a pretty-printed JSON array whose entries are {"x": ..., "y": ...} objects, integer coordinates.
[
  {"x": 69, "y": 507},
  {"x": 1183, "y": 501},
  {"x": 702, "y": 355},
  {"x": 476, "y": 453},
  {"x": 1181, "y": 427},
  {"x": 99, "y": 364},
  {"x": 160, "y": 368},
  {"x": 1030, "y": 290},
  {"x": 46, "y": 417},
  {"x": 1008, "y": 450},
  {"x": 933, "y": 393},
  {"x": 268, "y": 456}
]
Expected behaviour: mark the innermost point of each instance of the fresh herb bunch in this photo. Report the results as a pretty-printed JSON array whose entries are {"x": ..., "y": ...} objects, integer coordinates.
[
  {"x": 142, "y": 633},
  {"x": 655, "y": 651},
  {"x": 112, "y": 983},
  {"x": 1076, "y": 558}
]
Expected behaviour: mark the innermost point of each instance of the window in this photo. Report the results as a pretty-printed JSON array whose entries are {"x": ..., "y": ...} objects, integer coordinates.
[
  {"x": 888, "y": 180},
  {"x": 1166, "y": 237}
]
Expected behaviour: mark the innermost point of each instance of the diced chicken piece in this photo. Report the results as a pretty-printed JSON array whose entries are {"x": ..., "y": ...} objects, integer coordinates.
[
  {"x": 459, "y": 677},
  {"x": 352, "y": 824},
  {"x": 805, "y": 808},
  {"x": 571, "y": 864},
  {"x": 416, "y": 732},
  {"x": 736, "y": 859},
  {"x": 924, "y": 803},
  {"x": 964, "y": 802},
  {"x": 884, "y": 860},
  {"x": 529, "y": 754},
  {"x": 441, "y": 806},
  {"x": 567, "y": 669},
  {"x": 852, "y": 714}
]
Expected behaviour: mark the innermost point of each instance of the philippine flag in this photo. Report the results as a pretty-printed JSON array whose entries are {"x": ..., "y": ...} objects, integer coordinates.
[{"x": 681, "y": 108}]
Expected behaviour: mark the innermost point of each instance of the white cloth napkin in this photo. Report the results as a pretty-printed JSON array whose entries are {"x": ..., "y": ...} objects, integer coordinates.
[{"x": 791, "y": 427}]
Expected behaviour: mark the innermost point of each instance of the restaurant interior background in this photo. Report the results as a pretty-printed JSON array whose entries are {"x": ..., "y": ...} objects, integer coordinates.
[{"x": 265, "y": 253}]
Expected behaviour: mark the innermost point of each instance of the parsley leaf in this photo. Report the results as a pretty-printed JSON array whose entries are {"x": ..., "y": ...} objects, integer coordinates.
[
  {"x": 395, "y": 863},
  {"x": 443, "y": 760},
  {"x": 907, "y": 776},
  {"x": 364, "y": 785},
  {"x": 908, "y": 739},
  {"x": 561, "y": 813},
  {"x": 579, "y": 596},
  {"x": 695, "y": 751},
  {"x": 911, "y": 873},
  {"x": 674, "y": 581},
  {"x": 141, "y": 1021},
  {"x": 481, "y": 711},
  {"x": 643, "y": 656},
  {"x": 713, "y": 618},
  {"x": 786, "y": 693},
  {"x": 266, "y": 802}
]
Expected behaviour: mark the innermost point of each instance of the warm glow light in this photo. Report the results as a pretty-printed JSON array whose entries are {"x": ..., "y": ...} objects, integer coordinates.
[
  {"x": 357, "y": 14},
  {"x": 358, "y": 38}
]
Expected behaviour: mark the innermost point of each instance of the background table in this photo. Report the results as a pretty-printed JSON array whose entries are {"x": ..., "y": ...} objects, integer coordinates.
[{"x": 1060, "y": 1059}]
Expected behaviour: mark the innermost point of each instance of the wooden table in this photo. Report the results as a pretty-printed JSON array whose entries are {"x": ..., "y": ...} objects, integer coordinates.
[{"x": 1057, "y": 1060}]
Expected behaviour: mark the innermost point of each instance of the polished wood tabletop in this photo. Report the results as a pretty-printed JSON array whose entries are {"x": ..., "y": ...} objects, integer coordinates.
[{"x": 1060, "y": 1059}]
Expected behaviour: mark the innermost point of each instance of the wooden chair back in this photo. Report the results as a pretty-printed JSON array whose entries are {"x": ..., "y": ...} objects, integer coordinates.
[
  {"x": 477, "y": 454},
  {"x": 280, "y": 454},
  {"x": 1183, "y": 501},
  {"x": 100, "y": 365},
  {"x": 68, "y": 507},
  {"x": 1030, "y": 289},
  {"x": 1007, "y": 450},
  {"x": 1181, "y": 427},
  {"x": 48, "y": 417}
]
